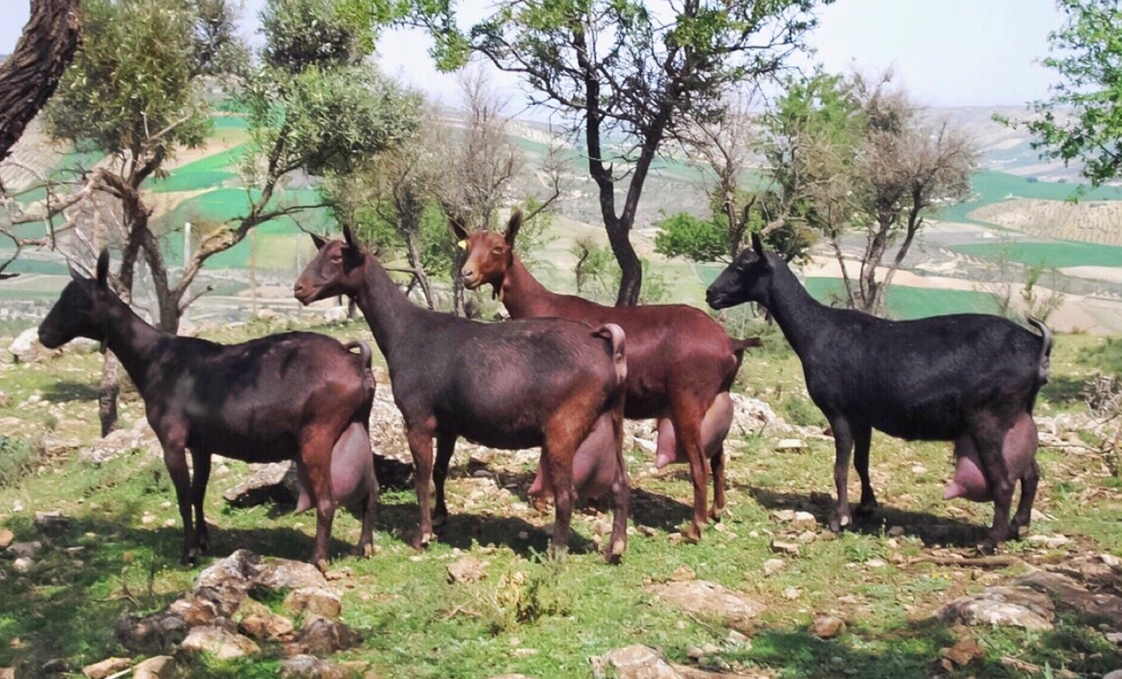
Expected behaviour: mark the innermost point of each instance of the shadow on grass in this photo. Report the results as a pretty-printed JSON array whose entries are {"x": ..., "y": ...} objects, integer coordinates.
[
  {"x": 1064, "y": 390},
  {"x": 99, "y": 568},
  {"x": 931, "y": 529},
  {"x": 65, "y": 392}
]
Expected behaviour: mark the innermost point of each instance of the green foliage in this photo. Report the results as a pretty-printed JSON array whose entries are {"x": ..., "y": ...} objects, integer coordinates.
[
  {"x": 17, "y": 459},
  {"x": 801, "y": 411},
  {"x": 699, "y": 240},
  {"x": 1087, "y": 57},
  {"x": 132, "y": 86}
]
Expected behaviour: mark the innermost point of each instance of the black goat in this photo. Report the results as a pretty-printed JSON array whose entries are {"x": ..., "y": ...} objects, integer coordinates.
[
  {"x": 294, "y": 395},
  {"x": 968, "y": 378}
]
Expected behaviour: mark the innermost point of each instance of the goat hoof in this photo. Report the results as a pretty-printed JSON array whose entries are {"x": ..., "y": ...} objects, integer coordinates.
[
  {"x": 614, "y": 553},
  {"x": 421, "y": 542},
  {"x": 692, "y": 534},
  {"x": 867, "y": 508},
  {"x": 320, "y": 564},
  {"x": 838, "y": 523},
  {"x": 987, "y": 547}
]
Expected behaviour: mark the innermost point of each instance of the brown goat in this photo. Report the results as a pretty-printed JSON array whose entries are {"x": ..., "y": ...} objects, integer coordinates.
[
  {"x": 505, "y": 385},
  {"x": 681, "y": 362},
  {"x": 295, "y": 395}
]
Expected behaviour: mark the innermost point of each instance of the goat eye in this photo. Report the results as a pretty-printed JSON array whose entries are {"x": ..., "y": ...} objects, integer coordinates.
[{"x": 497, "y": 251}]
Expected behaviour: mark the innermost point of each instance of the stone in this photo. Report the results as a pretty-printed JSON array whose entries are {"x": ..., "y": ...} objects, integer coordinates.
[
  {"x": 634, "y": 662},
  {"x": 23, "y": 565},
  {"x": 157, "y": 667},
  {"x": 51, "y": 523},
  {"x": 1002, "y": 606},
  {"x": 964, "y": 652},
  {"x": 27, "y": 549},
  {"x": 827, "y": 626},
  {"x": 100, "y": 670},
  {"x": 313, "y": 601},
  {"x": 6, "y": 538},
  {"x": 708, "y": 599},
  {"x": 156, "y": 633},
  {"x": 1075, "y": 597},
  {"x": 286, "y": 574},
  {"x": 773, "y": 566},
  {"x": 1113, "y": 674},
  {"x": 7, "y": 673},
  {"x": 1048, "y": 541},
  {"x": 322, "y": 637},
  {"x": 784, "y": 515},
  {"x": 256, "y": 621},
  {"x": 896, "y": 532},
  {"x": 466, "y": 569},
  {"x": 275, "y": 482},
  {"x": 305, "y": 666},
  {"x": 220, "y": 643},
  {"x": 804, "y": 521},
  {"x": 26, "y": 348},
  {"x": 790, "y": 444},
  {"x": 683, "y": 573},
  {"x": 784, "y": 547},
  {"x": 55, "y": 666}
]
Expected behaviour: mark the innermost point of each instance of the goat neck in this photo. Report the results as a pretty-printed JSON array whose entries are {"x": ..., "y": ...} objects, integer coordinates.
[
  {"x": 133, "y": 341},
  {"x": 522, "y": 294},
  {"x": 798, "y": 315},
  {"x": 388, "y": 312}
]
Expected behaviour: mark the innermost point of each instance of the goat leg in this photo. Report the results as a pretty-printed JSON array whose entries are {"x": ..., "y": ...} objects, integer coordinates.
[
  {"x": 862, "y": 440},
  {"x": 420, "y": 446},
  {"x": 843, "y": 448},
  {"x": 988, "y": 440},
  {"x": 714, "y": 428},
  {"x": 687, "y": 425},
  {"x": 621, "y": 498},
  {"x": 198, "y": 495},
  {"x": 560, "y": 463},
  {"x": 445, "y": 444},
  {"x": 175, "y": 459}
]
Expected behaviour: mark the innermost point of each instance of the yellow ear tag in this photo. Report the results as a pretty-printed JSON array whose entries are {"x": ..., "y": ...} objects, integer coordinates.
[{"x": 463, "y": 245}]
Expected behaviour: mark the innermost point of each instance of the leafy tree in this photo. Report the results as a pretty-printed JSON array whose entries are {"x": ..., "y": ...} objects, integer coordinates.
[
  {"x": 853, "y": 154},
  {"x": 683, "y": 235},
  {"x": 627, "y": 78},
  {"x": 1087, "y": 57}
]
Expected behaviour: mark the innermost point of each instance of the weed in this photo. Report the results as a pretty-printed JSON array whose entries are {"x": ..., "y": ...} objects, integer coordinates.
[
  {"x": 17, "y": 459},
  {"x": 801, "y": 411}
]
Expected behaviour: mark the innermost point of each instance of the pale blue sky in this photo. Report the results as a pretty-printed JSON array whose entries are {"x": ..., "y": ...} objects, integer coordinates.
[{"x": 947, "y": 52}]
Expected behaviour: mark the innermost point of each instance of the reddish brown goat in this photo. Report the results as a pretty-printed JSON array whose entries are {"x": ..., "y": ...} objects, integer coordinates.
[
  {"x": 295, "y": 395},
  {"x": 681, "y": 363},
  {"x": 545, "y": 382}
]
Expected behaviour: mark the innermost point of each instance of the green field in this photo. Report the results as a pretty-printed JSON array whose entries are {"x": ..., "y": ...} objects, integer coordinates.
[
  {"x": 1055, "y": 254},
  {"x": 993, "y": 187},
  {"x": 205, "y": 173}
]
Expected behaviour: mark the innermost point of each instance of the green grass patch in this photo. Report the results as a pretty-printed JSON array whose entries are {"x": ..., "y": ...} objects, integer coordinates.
[
  {"x": 906, "y": 302},
  {"x": 205, "y": 173},
  {"x": 990, "y": 187},
  {"x": 1052, "y": 255}
]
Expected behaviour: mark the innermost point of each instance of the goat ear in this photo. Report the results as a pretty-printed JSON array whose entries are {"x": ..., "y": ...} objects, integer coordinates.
[
  {"x": 103, "y": 268},
  {"x": 458, "y": 231},
  {"x": 512, "y": 227},
  {"x": 320, "y": 241}
]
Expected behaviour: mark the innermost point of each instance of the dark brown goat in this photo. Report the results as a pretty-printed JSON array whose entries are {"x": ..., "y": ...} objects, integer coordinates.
[
  {"x": 681, "y": 363},
  {"x": 289, "y": 396},
  {"x": 505, "y": 385},
  {"x": 967, "y": 378}
]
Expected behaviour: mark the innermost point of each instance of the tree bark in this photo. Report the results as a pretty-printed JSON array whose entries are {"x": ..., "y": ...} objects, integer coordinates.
[{"x": 30, "y": 75}]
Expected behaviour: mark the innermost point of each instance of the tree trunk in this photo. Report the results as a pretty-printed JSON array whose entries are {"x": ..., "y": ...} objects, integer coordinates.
[
  {"x": 30, "y": 75},
  {"x": 414, "y": 258},
  {"x": 107, "y": 394}
]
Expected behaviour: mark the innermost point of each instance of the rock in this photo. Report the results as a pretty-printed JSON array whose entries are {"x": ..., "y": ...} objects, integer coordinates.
[
  {"x": 26, "y": 549},
  {"x": 807, "y": 536},
  {"x": 336, "y": 314},
  {"x": 23, "y": 565},
  {"x": 1003, "y": 606},
  {"x": 310, "y": 667},
  {"x": 156, "y": 633},
  {"x": 51, "y": 523},
  {"x": 286, "y": 574},
  {"x": 7, "y": 673},
  {"x": 1114, "y": 674},
  {"x": 219, "y": 643},
  {"x": 783, "y": 547},
  {"x": 804, "y": 521},
  {"x": 635, "y": 662},
  {"x": 790, "y": 444},
  {"x": 158, "y": 667},
  {"x": 827, "y": 626},
  {"x": 275, "y": 482},
  {"x": 773, "y": 566},
  {"x": 1108, "y": 559},
  {"x": 322, "y": 637},
  {"x": 313, "y": 601},
  {"x": 963, "y": 652},
  {"x": 256, "y": 621},
  {"x": 708, "y": 599},
  {"x": 466, "y": 569},
  {"x": 752, "y": 416},
  {"x": 26, "y": 348},
  {"x": 121, "y": 441},
  {"x": 792, "y": 593},
  {"x": 683, "y": 573},
  {"x": 100, "y": 670},
  {"x": 54, "y": 666},
  {"x": 1048, "y": 541},
  {"x": 784, "y": 515},
  {"x": 481, "y": 458},
  {"x": 1073, "y": 596},
  {"x": 896, "y": 532},
  {"x": 6, "y": 538}
]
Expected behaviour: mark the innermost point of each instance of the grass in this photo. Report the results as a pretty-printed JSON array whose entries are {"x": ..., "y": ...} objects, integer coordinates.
[
  {"x": 541, "y": 618},
  {"x": 993, "y": 187}
]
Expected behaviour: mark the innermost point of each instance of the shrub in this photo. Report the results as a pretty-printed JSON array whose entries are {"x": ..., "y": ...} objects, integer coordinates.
[{"x": 17, "y": 460}]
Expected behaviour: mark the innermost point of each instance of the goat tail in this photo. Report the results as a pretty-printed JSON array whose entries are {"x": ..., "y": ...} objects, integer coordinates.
[
  {"x": 1044, "y": 363},
  {"x": 617, "y": 350},
  {"x": 739, "y": 345},
  {"x": 364, "y": 353}
]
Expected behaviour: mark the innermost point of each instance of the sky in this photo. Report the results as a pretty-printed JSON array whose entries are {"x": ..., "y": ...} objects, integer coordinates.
[{"x": 946, "y": 52}]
